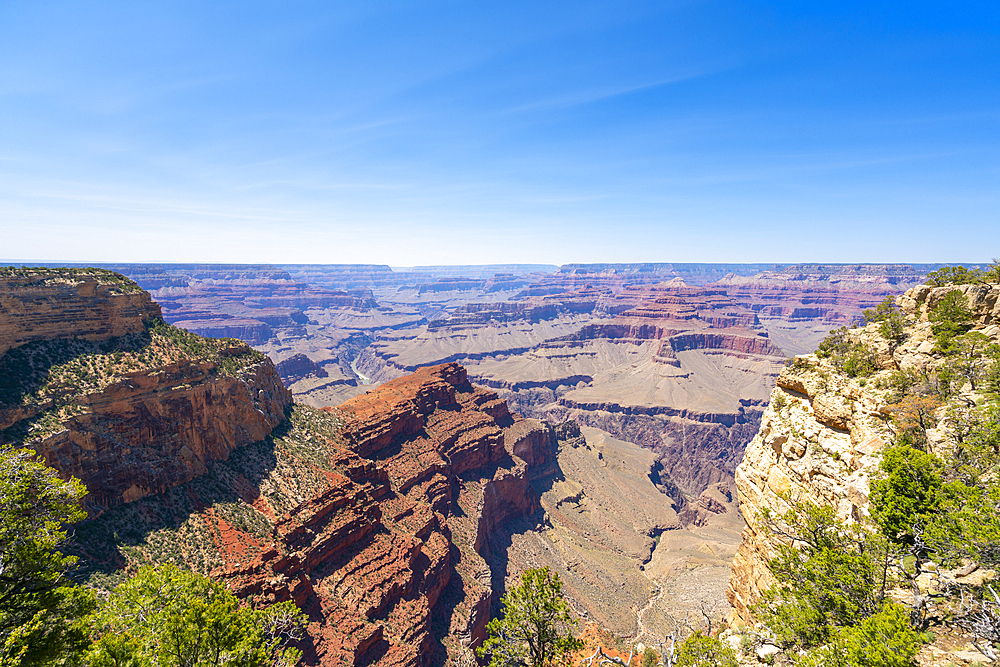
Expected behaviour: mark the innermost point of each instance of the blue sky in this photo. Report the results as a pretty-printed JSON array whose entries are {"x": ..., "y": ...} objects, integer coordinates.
[{"x": 489, "y": 132}]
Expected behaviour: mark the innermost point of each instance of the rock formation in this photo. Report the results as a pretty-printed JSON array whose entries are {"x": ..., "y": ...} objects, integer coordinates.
[
  {"x": 104, "y": 391},
  {"x": 427, "y": 469},
  {"x": 823, "y": 432},
  {"x": 89, "y": 304},
  {"x": 378, "y": 518}
]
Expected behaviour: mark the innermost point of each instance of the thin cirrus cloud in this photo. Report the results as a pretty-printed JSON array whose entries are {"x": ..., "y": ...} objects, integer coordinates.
[{"x": 470, "y": 132}]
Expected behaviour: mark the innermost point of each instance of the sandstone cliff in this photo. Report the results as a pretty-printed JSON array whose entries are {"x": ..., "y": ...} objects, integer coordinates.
[
  {"x": 821, "y": 437},
  {"x": 89, "y": 304},
  {"x": 96, "y": 383}
]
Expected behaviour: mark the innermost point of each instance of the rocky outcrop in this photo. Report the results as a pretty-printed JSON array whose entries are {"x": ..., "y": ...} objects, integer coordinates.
[
  {"x": 388, "y": 555},
  {"x": 822, "y": 435},
  {"x": 103, "y": 395},
  {"x": 88, "y": 304},
  {"x": 154, "y": 429},
  {"x": 819, "y": 441}
]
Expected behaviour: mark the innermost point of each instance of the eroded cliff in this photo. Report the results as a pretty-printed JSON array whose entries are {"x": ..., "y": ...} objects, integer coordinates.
[
  {"x": 94, "y": 381},
  {"x": 823, "y": 432},
  {"x": 376, "y": 517}
]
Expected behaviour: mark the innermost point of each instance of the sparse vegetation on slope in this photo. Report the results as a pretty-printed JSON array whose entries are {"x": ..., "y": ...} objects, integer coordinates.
[
  {"x": 46, "y": 379},
  {"x": 42, "y": 275},
  {"x": 156, "y": 615},
  {"x": 919, "y": 552},
  {"x": 189, "y": 525}
]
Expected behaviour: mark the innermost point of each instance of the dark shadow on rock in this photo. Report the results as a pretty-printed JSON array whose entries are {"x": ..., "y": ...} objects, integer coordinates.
[{"x": 102, "y": 543}]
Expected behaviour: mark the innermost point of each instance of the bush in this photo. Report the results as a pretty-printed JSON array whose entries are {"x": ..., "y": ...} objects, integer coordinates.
[
  {"x": 536, "y": 628},
  {"x": 854, "y": 358},
  {"x": 955, "y": 275},
  {"x": 890, "y": 319},
  {"x": 882, "y": 640},
  {"x": 174, "y": 618},
  {"x": 699, "y": 650},
  {"x": 907, "y": 491},
  {"x": 950, "y": 318},
  {"x": 836, "y": 578},
  {"x": 914, "y": 415},
  {"x": 41, "y": 611}
]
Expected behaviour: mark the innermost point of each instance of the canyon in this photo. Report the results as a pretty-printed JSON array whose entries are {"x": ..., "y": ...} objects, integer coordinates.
[
  {"x": 679, "y": 358},
  {"x": 449, "y": 430}
]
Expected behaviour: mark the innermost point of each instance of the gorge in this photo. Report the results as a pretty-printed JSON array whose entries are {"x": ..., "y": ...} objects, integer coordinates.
[{"x": 594, "y": 425}]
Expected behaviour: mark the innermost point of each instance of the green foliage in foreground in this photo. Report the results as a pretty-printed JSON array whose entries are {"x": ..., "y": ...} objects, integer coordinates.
[
  {"x": 700, "y": 650},
  {"x": 536, "y": 627},
  {"x": 831, "y": 602},
  {"x": 170, "y": 617},
  {"x": 165, "y": 616},
  {"x": 836, "y": 578},
  {"x": 882, "y": 640},
  {"x": 40, "y": 610},
  {"x": 907, "y": 492}
]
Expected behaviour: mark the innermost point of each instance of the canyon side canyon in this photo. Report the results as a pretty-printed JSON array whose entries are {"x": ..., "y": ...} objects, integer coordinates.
[{"x": 388, "y": 448}]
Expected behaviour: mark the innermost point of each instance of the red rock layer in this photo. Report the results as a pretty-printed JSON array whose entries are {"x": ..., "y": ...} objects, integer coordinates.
[
  {"x": 684, "y": 318},
  {"x": 424, "y": 471},
  {"x": 158, "y": 428}
]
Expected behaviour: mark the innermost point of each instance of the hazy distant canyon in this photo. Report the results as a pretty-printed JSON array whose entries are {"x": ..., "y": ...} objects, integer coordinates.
[
  {"x": 665, "y": 370},
  {"x": 679, "y": 358}
]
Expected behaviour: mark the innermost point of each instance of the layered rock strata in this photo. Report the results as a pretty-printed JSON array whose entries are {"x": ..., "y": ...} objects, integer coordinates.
[
  {"x": 94, "y": 381},
  {"x": 154, "y": 429},
  {"x": 822, "y": 435},
  {"x": 89, "y": 304},
  {"x": 387, "y": 555}
]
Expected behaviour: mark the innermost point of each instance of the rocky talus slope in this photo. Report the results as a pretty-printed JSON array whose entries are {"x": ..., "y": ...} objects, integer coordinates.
[
  {"x": 94, "y": 381},
  {"x": 821, "y": 437},
  {"x": 377, "y": 518}
]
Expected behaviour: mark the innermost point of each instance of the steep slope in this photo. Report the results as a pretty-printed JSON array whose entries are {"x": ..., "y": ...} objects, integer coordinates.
[
  {"x": 376, "y": 518},
  {"x": 105, "y": 391},
  {"x": 823, "y": 432}
]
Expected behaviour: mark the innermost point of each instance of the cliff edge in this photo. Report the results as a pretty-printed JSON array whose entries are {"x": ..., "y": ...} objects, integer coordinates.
[
  {"x": 822, "y": 435},
  {"x": 93, "y": 380}
]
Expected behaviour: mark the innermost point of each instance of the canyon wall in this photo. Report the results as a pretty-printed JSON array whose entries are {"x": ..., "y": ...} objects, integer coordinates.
[
  {"x": 105, "y": 392},
  {"x": 822, "y": 435},
  {"x": 90, "y": 304},
  {"x": 378, "y": 518},
  {"x": 154, "y": 429}
]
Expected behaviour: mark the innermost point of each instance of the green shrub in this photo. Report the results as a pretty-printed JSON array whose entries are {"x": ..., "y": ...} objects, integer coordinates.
[
  {"x": 890, "y": 319},
  {"x": 173, "y": 618},
  {"x": 536, "y": 628},
  {"x": 899, "y": 383},
  {"x": 41, "y": 610},
  {"x": 882, "y": 640},
  {"x": 955, "y": 275},
  {"x": 699, "y": 650},
  {"x": 836, "y": 578},
  {"x": 950, "y": 318},
  {"x": 906, "y": 492},
  {"x": 853, "y": 358}
]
